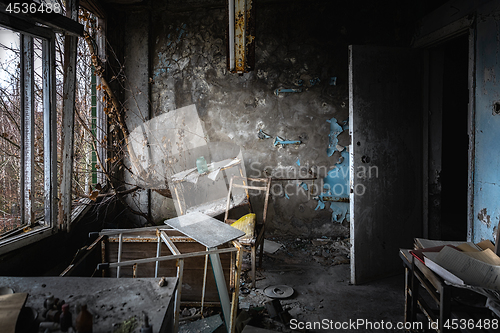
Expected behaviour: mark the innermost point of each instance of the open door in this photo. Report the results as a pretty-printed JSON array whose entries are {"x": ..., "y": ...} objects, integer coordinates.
[{"x": 385, "y": 121}]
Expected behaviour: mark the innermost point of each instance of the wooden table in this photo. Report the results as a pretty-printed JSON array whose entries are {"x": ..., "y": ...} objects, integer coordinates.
[{"x": 445, "y": 306}]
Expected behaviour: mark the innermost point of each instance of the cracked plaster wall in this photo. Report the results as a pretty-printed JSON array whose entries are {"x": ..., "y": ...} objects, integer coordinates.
[
  {"x": 185, "y": 50},
  {"x": 189, "y": 67}
]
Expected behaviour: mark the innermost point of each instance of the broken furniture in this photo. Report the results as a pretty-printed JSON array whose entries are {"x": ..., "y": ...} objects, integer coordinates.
[
  {"x": 256, "y": 239},
  {"x": 140, "y": 252},
  {"x": 212, "y": 233},
  {"x": 205, "y": 192},
  {"x": 444, "y": 305},
  {"x": 111, "y": 302}
]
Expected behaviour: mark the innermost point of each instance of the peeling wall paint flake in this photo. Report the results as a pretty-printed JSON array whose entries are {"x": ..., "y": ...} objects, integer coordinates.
[
  {"x": 484, "y": 217},
  {"x": 335, "y": 130}
]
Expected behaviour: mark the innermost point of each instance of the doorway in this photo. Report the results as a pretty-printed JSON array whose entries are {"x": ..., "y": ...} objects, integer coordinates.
[{"x": 448, "y": 139}]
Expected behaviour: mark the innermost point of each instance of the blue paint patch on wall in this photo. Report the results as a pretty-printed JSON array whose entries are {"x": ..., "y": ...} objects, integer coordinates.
[
  {"x": 181, "y": 32},
  {"x": 339, "y": 211},
  {"x": 321, "y": 205},
  {"x": 335, "y": 130},
  {"x": 163, "y": 65},
  {"x": 336, "y": 183}
]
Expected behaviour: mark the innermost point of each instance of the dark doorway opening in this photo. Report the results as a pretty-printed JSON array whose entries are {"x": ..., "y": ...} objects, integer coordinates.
[{"x": 455, "y": 140}]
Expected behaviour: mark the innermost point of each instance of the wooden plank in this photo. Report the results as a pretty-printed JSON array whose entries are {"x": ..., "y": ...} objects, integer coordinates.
[
  {"x": 25, "y": 27},
  {"x": 56, "y": 21}
]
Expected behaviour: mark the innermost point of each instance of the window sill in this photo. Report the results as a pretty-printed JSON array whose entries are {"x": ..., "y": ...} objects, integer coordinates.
[{"x": 17, "y": 241}]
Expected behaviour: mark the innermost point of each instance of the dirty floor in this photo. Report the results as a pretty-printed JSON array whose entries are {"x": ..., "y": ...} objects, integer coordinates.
[{"x": 318, "y": 271}]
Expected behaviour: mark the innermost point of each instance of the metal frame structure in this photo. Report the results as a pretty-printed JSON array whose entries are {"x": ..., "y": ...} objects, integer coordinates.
[{"x": 160, "y": 236}]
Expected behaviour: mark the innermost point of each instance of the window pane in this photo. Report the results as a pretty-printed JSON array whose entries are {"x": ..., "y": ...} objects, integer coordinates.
[
  {"x": 10, "y": 140},
  {"x": 38, "y": 185}
]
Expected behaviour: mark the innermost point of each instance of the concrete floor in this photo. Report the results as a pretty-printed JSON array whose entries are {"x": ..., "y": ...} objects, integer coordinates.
[{"x": 323, "y": 293}]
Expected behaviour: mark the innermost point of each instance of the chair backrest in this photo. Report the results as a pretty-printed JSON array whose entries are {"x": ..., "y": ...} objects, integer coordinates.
[{"x": 258, "y": 184}]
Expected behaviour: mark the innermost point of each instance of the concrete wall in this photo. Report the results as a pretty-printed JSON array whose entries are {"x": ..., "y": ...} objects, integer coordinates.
[
  {"x": 295, "y": 42},
  {"x": 486, "y": 187},
  {"x": 189, "y": 67}
]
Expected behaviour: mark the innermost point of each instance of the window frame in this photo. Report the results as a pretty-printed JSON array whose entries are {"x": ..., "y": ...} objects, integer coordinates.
[{"x": 48, "y": 225}]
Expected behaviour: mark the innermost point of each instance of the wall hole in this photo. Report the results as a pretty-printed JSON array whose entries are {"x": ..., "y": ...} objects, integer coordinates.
[{"x": 496, "y": 108}]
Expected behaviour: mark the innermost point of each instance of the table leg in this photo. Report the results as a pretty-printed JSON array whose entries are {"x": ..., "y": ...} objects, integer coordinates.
[{"x": 220, "y": 281}]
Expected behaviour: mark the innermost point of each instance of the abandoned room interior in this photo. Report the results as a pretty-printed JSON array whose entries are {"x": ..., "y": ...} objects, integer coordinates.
[{"x": 249, "y": 166}]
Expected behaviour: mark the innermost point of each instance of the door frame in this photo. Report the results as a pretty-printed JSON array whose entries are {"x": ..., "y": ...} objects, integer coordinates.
[{"x": 464, "y": 25}]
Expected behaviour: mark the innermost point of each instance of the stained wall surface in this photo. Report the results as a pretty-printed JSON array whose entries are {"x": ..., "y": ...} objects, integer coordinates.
[{"x": 181, "y": 52}]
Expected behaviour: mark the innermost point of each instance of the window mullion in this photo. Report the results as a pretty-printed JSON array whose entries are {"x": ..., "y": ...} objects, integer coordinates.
[
  {"x": 49, "y": 131},
  {"x": 28, "y": 130}
]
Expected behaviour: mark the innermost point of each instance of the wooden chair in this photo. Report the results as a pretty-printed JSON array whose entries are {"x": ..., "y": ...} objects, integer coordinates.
[{"x": 257, "y": 239}]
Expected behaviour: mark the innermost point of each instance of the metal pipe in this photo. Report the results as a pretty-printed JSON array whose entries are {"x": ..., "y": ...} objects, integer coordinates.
[
  {"x": 204, "y": 284},
  {"x": 133, "y": 230},
  {"x": 234, "y": 303},
  {"x": 170, "y": 257},
  {"x": 220, "y": 282},
  {"x": 231, "y": 35},
  {"x": 168, "y": 242},
  {"x": 158, "y": 252},
  {"x": 119, "y": 255},
  {"x": 180, "y": 273}
]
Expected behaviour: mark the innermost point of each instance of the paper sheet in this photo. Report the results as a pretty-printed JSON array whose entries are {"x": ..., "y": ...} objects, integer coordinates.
[
  {"x": 470, "y": 270},
  {"x": 486, "y": 256}
]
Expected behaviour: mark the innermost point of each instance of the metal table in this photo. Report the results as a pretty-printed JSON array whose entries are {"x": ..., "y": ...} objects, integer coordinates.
[{"x": 211, "y": 233}]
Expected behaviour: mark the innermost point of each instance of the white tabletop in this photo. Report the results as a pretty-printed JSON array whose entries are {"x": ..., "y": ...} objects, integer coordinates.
[{"x": 204, "y": 229}]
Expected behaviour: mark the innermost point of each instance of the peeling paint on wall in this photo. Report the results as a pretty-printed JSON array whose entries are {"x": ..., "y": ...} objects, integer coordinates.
[
  {"x": 335, "y": 130},
  {"x": 336, "y": 183},
  {"x": 486, "y": 211},
  {"x": 283, "y": 142},
  {"x": 484, "y": 217},
  {"x": 339, "y": 211}
]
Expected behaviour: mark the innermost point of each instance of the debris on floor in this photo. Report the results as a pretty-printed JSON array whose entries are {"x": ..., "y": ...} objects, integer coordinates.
[
  {"x": 321, "y": 290},
  {"x": 270, "y": 246},
  {"x": 324, "y": 250},
  {"x": 271, "y": 306},
  {"x": 280, "y": 291},
  {"x": 204, "y": 325}
]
